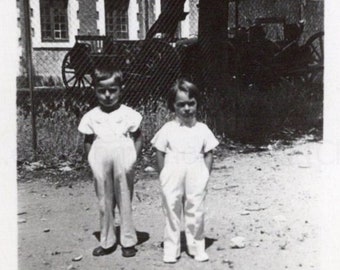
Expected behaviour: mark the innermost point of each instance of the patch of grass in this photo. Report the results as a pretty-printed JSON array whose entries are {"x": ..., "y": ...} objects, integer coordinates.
[
  {"x": 155, "y": 115},
  {"x": 243, "y": 115},
  {"x": 57, "y": 137}
]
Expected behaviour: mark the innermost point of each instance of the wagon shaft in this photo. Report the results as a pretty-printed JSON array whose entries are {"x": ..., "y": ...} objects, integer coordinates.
[{"x": 168, "y": 20}]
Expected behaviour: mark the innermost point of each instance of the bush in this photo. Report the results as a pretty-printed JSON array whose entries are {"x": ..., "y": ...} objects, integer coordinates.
[
  {"x": 247, "y": 115},
  {"x": 57, "y": 137},
  {"x": 256, "y": 116}
]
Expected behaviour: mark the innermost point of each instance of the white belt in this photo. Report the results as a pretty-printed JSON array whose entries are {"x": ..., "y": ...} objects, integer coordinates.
[
  {"x": 175, "y": 157},
  {"x": 116, "y": 140}
]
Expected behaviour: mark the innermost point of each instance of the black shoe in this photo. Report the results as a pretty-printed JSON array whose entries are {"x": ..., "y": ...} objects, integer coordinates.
[
  {"x": 129, "y": 251},
  {"x": 100, "y": 251}
]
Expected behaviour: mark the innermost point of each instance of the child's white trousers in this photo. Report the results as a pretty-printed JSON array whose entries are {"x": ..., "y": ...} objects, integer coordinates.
[
  {"x": 112, "y": 166},
  {"x": 184, "y": 178}
]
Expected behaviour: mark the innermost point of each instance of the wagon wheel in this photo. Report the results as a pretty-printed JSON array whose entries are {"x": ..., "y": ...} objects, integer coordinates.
[
  {"x": 315, "y": 43},
  {"x": 76, "y": 73},
  {"x": 315, "y": 49},
  {"x": 310, "y": 68},
  {"x": 153, "y": 68}
]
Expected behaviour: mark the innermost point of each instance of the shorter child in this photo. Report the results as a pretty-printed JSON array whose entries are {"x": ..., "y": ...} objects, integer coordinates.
[
  {"x": 184, "y": 156},
  {"x": 112, "y": 142}
]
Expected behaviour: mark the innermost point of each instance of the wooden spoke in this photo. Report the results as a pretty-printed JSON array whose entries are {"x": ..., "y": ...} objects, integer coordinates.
[{"x": 76, "y": 74}]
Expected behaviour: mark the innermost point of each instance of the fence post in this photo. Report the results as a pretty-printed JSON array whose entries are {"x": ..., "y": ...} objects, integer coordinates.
[{"x": 30, "y": 72}]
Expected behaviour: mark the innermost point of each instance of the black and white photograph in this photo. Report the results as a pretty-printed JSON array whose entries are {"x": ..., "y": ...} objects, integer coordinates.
[{"x": 171, "y": 134}]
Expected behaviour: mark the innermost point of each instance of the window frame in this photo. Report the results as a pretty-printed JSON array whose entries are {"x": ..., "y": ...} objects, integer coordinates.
[
  {"x": 54, "y": 7},
  {"x": 114, "y": 25}
]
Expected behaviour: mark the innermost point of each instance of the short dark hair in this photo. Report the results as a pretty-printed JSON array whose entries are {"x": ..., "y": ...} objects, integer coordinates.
[
  {"x": 102, "y": 73},
  {"x": 184, "y": 85}
]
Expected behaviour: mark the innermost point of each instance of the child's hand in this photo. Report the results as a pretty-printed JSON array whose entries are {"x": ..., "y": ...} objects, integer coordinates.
[
  {"x": 160, "y": 156},
  {"x": 138, "y": 140},
  {"x": 87, "y": 145},
  {"x": 208, "y": 159}
]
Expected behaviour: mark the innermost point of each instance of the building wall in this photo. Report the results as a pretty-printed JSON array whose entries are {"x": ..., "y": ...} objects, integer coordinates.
[
  {"x": 146, "y": 16},
  {"x": 73, "y": 26},
  {"x": 46, "y": 56},
  {"x": 21, "y": 32},
  {"x": 133, "y": 18},
  {"x": 47, "y": 64},
  {"x": 193, "y": 18},
  {"x": 86, "y": 17}
]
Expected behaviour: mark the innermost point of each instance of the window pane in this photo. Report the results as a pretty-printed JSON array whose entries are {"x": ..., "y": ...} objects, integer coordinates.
[
  {"x": 117, "y": 24},
  {"x": 54, "y": 23},
  {"x": 46, "y": 34},
  {"x": 57, "y": 34}
]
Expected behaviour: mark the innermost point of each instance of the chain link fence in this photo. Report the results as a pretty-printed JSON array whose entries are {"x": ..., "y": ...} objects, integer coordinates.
[{"x": 70, "y": 38}]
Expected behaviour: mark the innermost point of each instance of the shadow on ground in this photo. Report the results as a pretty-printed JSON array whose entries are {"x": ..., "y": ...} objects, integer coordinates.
[{"x": 141, "y": 236}]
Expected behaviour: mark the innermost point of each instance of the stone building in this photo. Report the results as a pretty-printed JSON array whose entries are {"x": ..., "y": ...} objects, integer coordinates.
[{"x": 55, "y": 23}]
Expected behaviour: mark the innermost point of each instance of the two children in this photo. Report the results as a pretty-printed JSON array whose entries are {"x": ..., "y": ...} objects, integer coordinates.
[{"x": 184, "y": 155}]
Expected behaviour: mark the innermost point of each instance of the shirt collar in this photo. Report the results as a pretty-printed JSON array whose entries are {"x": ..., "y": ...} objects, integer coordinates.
[{"x": 181, "y": 123}]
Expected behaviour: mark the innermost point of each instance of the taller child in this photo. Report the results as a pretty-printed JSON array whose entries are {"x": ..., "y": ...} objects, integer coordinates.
[
  {"x": 113, "y": 141},
  {"x": 184, "y": 155}
]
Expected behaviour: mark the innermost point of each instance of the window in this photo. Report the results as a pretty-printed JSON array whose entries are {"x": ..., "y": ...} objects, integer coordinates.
[
  {"x": 116, "y": 20},
  {"x": 54, "y": 24}
]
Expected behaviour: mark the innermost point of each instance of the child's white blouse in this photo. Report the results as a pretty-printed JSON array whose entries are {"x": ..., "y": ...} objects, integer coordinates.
[
  {"x": 110, "y": 126},
  {"x": 175, "y": 137}
]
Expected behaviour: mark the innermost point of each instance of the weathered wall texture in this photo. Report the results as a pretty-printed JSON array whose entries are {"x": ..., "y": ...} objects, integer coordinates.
[
  {"x": 87, "y": 16},
  {"x": 47, "y": 65}
]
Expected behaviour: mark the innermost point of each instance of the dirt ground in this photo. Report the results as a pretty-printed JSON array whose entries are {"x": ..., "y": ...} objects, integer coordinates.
[{"x": 271, "y": 198}]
